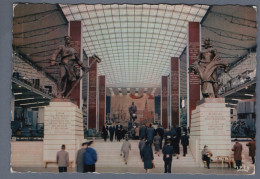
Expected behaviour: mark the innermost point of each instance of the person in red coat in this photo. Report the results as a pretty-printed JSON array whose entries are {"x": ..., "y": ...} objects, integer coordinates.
[
  {"x": 237, "y": 148},
  {"x": 252, "y": 148}
]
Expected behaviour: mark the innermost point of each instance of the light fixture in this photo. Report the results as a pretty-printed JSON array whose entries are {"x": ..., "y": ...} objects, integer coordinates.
[
  {"x": 17, "y": 93},
  {"x": 31, "y": 103},
  {"x": 249, "y": 94},
  {"x": 23, "y": 99},
  {"x": 19, "y": 86}
]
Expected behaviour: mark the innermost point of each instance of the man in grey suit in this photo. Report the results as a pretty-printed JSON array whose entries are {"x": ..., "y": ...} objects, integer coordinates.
[
  {"x": 80, "y": 158},
  {"x": 62, "y": 159}
]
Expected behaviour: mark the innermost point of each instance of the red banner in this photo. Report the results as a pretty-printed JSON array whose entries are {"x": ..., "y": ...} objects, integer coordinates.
[
  {"x": 194, "y": 50},
  {"x": 92, "y": 118},
  {"x": 164, "y": 102},
  {"x": 102, "y": 101},
  {"x": 175, "y": 91}
]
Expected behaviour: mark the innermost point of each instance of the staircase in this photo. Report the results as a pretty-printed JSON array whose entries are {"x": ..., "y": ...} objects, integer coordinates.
[{"x": 109, "y": 156}]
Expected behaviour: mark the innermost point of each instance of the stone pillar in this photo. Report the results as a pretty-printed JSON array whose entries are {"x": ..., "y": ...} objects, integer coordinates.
[
  {"x": 175, "y": 91},
  {"x": 210, "y": 123},
  {"x": 164, "y": 102},
  {"x": 92, "y": 118},
  {"x": 102, "y": 101},
  {"x": 193, "y": 84},
  {"x": 75, "y": 33},
  {"x": 63, "y": 124}
]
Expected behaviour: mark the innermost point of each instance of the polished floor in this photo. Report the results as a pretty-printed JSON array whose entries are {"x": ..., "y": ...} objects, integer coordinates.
[{"x": 110, "y": 161}]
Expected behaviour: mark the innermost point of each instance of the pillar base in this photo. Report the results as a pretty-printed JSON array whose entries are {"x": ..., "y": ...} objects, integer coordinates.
[
  {"x": 210, "y": 125},
  {"x": 63, "y": 124}
]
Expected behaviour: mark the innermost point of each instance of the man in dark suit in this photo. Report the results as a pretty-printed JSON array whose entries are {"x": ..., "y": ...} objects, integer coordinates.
[
  {"x": 184, "y": 143},
  {"x": 142, "y": 132},
  {"x": 160, "y": 131},
  {"x": 167, "y": 156},
  {"x": 111, "y": 132},
  {"x": 150, "y": 132}
]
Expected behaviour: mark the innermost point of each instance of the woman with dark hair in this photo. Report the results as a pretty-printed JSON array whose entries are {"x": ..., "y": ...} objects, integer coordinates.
[
  {"x": 105, "y": 132},
  {"x": 147, "y": 156}
]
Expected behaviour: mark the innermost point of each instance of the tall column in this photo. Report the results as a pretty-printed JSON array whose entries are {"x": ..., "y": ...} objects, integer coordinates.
[
  {"x": 75, "y": 33},
  {"x": 102, "y": 101},
  {"x": 193, "y": 84},
  {"x": 175, "y": 91},
  {"x": 164, "y": 99},
  {"x": 92, "y": 119}
]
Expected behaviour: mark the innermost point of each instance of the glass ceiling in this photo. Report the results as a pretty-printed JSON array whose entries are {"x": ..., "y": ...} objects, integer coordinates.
[{"x": 135, "y": 42}]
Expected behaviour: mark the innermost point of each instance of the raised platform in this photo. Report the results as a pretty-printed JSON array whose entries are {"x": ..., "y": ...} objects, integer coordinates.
[
  {"x": 63, "y": 124},
  {"x": 210, "y": 125}
]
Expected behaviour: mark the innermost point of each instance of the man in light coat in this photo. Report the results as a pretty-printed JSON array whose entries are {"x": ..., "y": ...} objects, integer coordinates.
[
  {"x": 62, "y": 159},
  {"x": 126, "y": 147}
]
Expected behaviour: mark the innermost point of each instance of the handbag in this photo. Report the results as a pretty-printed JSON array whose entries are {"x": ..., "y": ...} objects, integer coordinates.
[{"x": 153, "y": 165}]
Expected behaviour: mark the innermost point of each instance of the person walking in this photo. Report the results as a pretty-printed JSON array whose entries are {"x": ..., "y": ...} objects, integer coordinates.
[
  {"x": 80, "y": 158},
  {"x": 147, "y": 156},
  {"x": 119, "y": 134},
  {"x": 167, "y": 156},
  {"x": 160, "y": 131},
  {"x": 105, "y": 132},
  {"x": 141, "y": 146},
  {"x": 62, "y": 159},
  {"x": 111, "y": 132},
  {"x": 252, "y": 149},
  {"x": 90, "y": 158},
  {"x": 184, "y": 143},
  {"x": 126, "y": 147},
  {"x": 150, "y": 134},
  {"x": 142, "y": 132},
  {"x": 237, "y": 148},
  {"x": 206, "y": 154},
  {"x": 137, "y": 132},
  {"x": 157, "y": 142}
]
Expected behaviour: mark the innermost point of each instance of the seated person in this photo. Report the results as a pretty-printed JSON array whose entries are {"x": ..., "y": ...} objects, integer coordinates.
[{"x": 206, "y": 154}]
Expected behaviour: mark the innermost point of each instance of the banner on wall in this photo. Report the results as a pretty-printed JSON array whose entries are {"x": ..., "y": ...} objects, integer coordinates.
[{"x": 121, "y": 103}]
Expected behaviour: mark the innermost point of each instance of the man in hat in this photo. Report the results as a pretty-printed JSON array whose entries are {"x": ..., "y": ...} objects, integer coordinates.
[{"x": 237, "y": 148}]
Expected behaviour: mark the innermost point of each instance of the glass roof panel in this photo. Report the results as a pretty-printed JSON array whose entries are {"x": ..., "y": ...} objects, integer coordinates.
[{"x": 135, "y": 42}]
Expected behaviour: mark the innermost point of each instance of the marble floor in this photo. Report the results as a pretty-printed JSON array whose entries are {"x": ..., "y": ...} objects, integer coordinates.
[{"x": 110, "y": 161}]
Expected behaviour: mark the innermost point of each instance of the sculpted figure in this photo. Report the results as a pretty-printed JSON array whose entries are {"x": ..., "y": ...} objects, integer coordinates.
[
  {"x": 132, "y": 111},
  {"x": 206, "y": 66},
  {"x": 68, "y": 67}
]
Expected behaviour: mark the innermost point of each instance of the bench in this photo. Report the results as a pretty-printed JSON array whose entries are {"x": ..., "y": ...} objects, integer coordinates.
[
  {"x": 220, "y": 159},
  {"x": 54, "y": 162}
]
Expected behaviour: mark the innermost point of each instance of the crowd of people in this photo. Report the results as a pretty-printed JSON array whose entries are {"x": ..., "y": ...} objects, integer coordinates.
[
  {"x": 164, "y": 141},
  {"x": 85, "y": 160}
]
